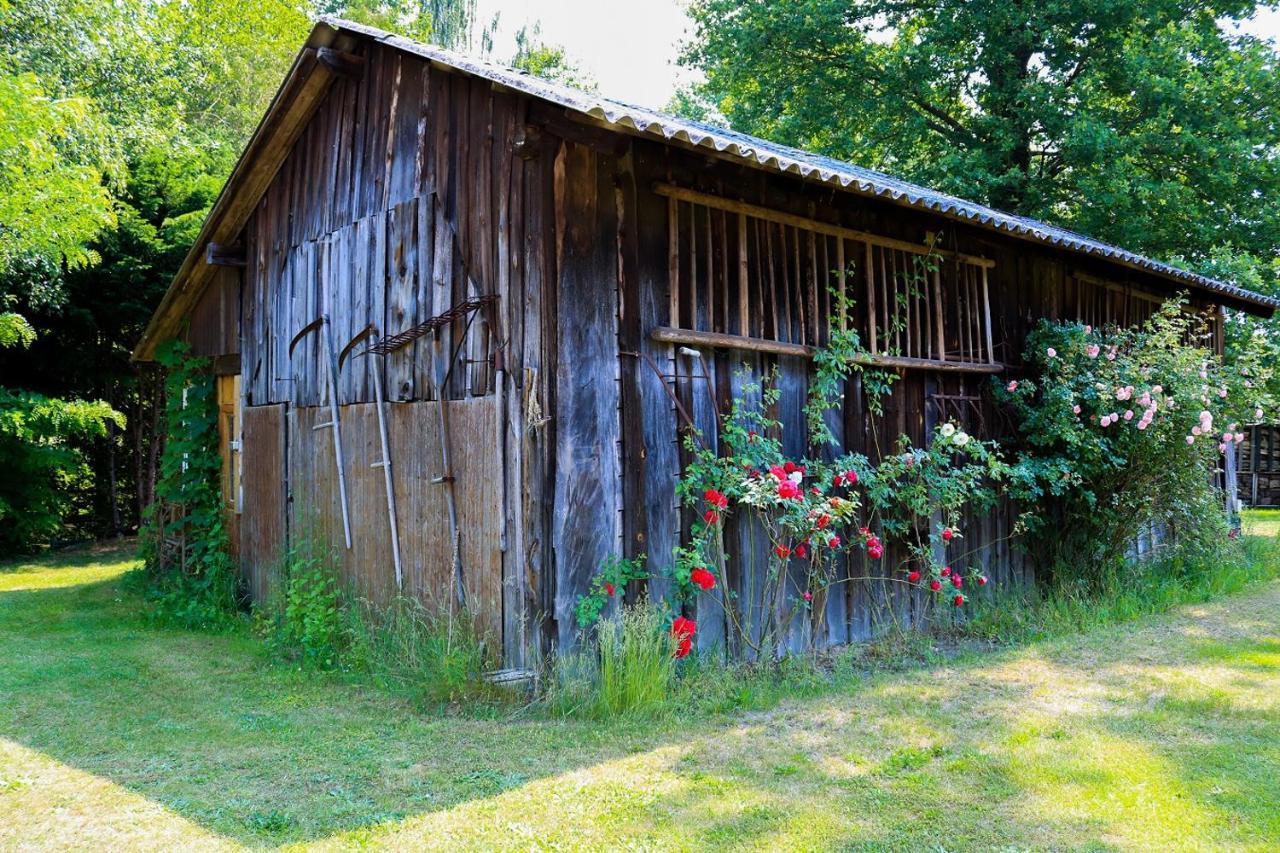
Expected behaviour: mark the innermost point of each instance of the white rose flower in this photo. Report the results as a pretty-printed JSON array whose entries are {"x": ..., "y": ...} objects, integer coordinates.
[
  {"x": 795, "y": 477},
  {"x": 961, "y": 439},
  {"x": 948, "y": 430}
]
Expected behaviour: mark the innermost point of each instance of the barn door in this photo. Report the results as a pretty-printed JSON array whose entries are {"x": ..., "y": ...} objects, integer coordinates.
[
  {"x": 229, "y": 449},
  {"x": 263, "y": 491}
]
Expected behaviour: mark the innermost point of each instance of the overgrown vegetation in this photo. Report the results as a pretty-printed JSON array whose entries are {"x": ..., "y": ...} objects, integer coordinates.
[
  {"x": 192, "y": 579},
  {"x": 41, "y": 455},
  {"x": 433, "y": 656},
  {"x": 1120, "y": 433}
]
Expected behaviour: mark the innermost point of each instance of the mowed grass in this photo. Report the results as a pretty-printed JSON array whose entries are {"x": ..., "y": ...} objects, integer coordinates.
[{"x": 1162, "y": 733}]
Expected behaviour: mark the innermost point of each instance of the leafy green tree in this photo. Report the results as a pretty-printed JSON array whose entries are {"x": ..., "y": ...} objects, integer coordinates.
[
  {"x": 1143, "y": 122},
  {"x": 43, "y": 467},
  {"x": 52, "y": 195}
]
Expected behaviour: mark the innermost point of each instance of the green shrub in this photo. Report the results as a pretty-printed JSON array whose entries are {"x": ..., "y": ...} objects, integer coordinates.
[
  {"x": 312, "y": 623},
  {"x": 1120, "y": 431},
  {"x": 45, "y": 473}
]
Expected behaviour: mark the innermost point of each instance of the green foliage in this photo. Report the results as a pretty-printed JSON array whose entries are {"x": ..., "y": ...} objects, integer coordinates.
[
  {"x": 53, "y": 200},
  {"x": 609, "y": 582},
  {"x": 15, "y": 331},
  {"x": 185, "y": 546},
  {"x": 311, "y": 625},
  {"x": 1120, "y": 430},
  {"x": 44, "y": 469},
  {"x": 1148, "y": 124}
]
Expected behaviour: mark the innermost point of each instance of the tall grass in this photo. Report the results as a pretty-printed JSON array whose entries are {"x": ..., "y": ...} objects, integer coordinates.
[
  {"x": 1127, "y": 593},
  {"x": 434, "y": 655},
  {"x": 624, "y": 667}
]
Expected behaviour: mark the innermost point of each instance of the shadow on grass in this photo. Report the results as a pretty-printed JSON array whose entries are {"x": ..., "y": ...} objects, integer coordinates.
[{"x": 974, "y": 754}]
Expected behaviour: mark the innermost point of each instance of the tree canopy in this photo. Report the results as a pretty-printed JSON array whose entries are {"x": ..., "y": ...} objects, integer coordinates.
[{"x": 1147, "y": 123}]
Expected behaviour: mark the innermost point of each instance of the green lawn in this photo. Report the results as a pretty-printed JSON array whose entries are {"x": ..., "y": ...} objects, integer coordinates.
[{"x": 1161, "y": 733}]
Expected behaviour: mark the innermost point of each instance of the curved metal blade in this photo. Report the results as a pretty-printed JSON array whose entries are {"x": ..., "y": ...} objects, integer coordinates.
[
  {"x": 306, "y": 330},
  {"x": 351, "y": 344}
]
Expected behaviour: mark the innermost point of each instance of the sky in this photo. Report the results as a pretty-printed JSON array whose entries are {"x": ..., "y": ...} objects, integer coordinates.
[{"x": 631, "y": 48}]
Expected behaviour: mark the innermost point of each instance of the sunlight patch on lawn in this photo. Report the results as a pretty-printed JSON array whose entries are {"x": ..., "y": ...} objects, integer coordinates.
[
  {"x": 75, "y": 568},
  {"x": 47, "y": 805}
]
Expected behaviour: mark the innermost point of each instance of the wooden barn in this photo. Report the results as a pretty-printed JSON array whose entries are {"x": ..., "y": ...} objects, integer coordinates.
[
  {"x": 460, "y": 315},
  {"x": 1258, "y": 466}
]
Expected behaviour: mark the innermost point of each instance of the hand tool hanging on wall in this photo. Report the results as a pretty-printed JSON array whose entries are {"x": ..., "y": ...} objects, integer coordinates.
[
  {"x": 442, "y": 371},
  {"x": 325, "y": 327},
  {"x": 378, "y": 369}
]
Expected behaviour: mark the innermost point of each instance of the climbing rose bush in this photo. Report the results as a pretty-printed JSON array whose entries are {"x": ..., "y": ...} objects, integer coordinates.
[
  {"x": 901, "y": 516},
  {"x": 1120, "y": 431}
]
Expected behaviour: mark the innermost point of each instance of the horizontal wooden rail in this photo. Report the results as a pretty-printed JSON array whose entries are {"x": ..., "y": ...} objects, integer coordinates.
[
  {"x": 687, "y": 337},
  {"x": 770, "y": 215}
]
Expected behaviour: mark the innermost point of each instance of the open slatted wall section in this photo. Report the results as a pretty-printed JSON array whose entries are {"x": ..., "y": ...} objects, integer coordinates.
[
  {"x": 1258, "y": 473},
  {"x": 749, "y": 272},
  {"x": 1107, "y": 304}
]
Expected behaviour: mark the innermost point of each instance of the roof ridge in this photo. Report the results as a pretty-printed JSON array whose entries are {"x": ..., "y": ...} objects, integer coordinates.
[{"x": 791, "y": 160}]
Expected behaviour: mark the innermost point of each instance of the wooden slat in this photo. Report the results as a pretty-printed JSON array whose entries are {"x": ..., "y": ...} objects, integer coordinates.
[
  {"x": 738, "y": 342},
  {"x": 805, "y": 223}
]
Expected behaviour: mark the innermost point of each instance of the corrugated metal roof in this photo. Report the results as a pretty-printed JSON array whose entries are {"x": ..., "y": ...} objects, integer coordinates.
[{"x": 787, "y": 160}]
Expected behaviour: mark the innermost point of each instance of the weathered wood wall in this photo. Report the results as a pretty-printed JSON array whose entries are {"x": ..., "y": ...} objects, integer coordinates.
[
  {"x": 414, "y": 188},
  {"x": 405, "y": 196}
]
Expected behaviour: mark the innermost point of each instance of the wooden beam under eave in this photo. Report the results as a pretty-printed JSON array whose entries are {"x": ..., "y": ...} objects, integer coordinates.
[
  {"x": 219, "y": 255},
  {"x": 302, "y": 93},
  {"x": 346, "y": 65}
]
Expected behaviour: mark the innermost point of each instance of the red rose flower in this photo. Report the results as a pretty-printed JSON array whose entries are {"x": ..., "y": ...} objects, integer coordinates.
[
  {"x": 935, "y": 585},
  {"x": 874, "y": 542},
  {"x": 982, "y": 580},
  {"x": 958, "y": 600},
  {"x": 946, "y": 534},
  {"x": 957, "y": 581},
  {"x": 823, "y": 520},
  {"x": 875, "y": 552},
  {"x": 790, "y": 467},
  {"x": 716, "y": 499},
  {"x": 808, "y": 596},
  {"x": 782, "y": 551},
  {"x": 788, "y": 490},
  {"x": 711, "y": 516},
  {"x": 683, "y": 630},
  {"x": 914, "y": 577},
  {"x": 851, "y": 477},
  {"x": 703, "y": 578},
  {"x": 778, "y": 471},
  {"x": 864, "y": 531},
  {"x": 946, "y": 571},
  {"x": 834, "y": 543},
  {"x": 837, "y": 480},
  {"x": 608, "y": 588},
  {"x": 800, "y": 550}
]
